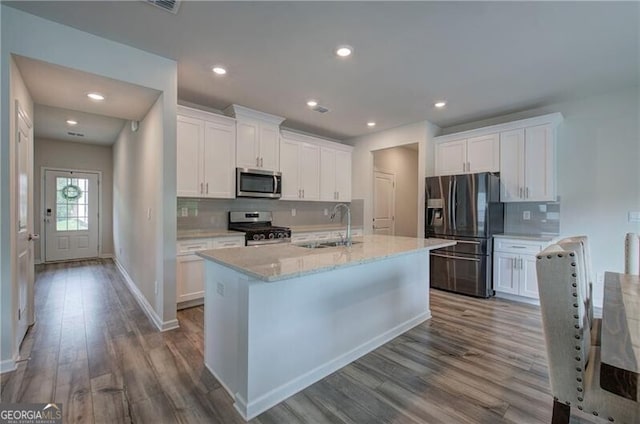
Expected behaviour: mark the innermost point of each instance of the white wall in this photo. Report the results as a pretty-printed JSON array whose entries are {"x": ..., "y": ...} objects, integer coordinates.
[
  {"x": 362, "y": 175},
  {"x": 403, "y": 163},
  {"x": 136, "y": 183},
  {"x": 598, "y": 156},
  {"x": 83, "y": 156},
  {"x": 37, "y": 38}
]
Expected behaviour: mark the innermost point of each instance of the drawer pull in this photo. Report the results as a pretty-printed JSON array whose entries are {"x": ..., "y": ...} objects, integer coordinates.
[
  {"x": 455, "y": 257},
  {"x": 518, "y": 247}
]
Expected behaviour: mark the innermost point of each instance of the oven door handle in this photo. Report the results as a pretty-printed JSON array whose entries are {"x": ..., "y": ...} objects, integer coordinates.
[
  {"x": 455, "y": 257},
  {"x": 275, "y": 184}
]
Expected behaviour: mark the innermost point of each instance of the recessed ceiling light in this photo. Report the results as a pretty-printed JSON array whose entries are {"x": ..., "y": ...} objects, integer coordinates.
[
  {"x": 371, "y": 124},
  {"x": 312, "y": 103},
  {"x": 95, "y": 96},
  {"x": 72, "y": 122},
  {"x": 344, "y": 51},
  {"x": 219, "y": 70},
  {"x": 440, "y": 104}
]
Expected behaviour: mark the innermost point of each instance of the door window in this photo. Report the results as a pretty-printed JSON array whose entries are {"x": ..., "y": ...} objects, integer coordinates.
[{"x": 72, "y": 204}]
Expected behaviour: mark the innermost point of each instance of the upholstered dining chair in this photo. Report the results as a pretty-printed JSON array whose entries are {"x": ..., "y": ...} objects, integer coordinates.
[
  {"x": 580, "y": 245},
  {"x": 574, "y": 363}
]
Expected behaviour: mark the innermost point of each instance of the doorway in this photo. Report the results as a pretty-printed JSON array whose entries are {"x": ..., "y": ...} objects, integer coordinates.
[
  {"x": 71, "y": 215},
  {"x": 396, "y": 191},
  {"x": 384, "y": 194}
]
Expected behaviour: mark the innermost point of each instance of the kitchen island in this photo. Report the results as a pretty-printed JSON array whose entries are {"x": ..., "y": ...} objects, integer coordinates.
[{"x": 280, "y": 317}]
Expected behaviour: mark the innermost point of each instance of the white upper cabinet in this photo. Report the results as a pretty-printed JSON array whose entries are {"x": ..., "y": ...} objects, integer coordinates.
[
  {"x": 258, "y": 138},
  {"x": 522, "y": 151},
  {"x": 314, "y": 169},
  {"x": 300, "y": 168},
  {"x": 527, "y": 163},
  {"x": 206, "y": 145},
  {"x": 190, "y": 137},
  {"x": 471, "y": 155},
  {"x": 451, "y": 157},
  {"x": 335, "y": 175}
]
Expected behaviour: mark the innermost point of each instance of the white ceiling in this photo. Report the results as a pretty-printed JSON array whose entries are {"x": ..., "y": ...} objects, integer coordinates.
[
  {"x": 50, "y": 122},
  {"x": 61, "y": 93},
  {"x": 484, "y": 58}
]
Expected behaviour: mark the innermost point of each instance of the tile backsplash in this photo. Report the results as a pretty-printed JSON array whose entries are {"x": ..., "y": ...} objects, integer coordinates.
[
  {"x": 200, "y": 214},
  {"x": 544, "y": 218}
]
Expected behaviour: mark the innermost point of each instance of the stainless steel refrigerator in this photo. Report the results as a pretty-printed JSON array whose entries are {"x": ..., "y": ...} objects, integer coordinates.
[{"x": 465, "y": 208}]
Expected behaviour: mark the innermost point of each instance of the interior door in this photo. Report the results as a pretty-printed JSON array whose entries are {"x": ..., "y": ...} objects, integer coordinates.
[
  {"x": 384, "y": 203},
  {"x": 71, "y": 215},
  {"x": 24, "y": 214}
]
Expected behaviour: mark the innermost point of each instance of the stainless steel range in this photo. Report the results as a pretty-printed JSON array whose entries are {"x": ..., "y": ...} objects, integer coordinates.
[{"x": 258, "y": 229}]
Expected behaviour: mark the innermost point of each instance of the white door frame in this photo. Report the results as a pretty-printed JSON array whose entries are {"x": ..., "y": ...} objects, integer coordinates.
[
  {"x": 393, "y": 201},
  {"x": 42, "y": 208}
]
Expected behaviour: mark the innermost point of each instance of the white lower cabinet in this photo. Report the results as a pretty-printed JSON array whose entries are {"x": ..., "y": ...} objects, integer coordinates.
[
  {"x": 190, "y": 267},
  {"x": 514, "y": 267}
]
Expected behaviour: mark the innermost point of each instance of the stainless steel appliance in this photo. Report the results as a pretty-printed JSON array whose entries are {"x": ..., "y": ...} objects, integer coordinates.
[
  {"x": 258, "y": 183},
  {"x": 465, "y": 208},
  {"x": 258, "y": 229}
]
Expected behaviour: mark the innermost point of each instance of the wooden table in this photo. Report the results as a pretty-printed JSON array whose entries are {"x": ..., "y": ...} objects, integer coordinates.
[{"x": 620, "y": 349}]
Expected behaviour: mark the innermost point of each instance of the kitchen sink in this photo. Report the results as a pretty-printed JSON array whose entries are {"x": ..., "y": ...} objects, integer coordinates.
[{"x": 322, "y": 245}]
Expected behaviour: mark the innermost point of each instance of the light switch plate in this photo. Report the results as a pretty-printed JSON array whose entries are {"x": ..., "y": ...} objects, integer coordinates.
[
  {"x": 185, "y": 212},
  {"x": 326, "y": 212},
  {"x": 293, "y": 212},
  {"x": 634, "y": 216},
  {"x": 526, "y": 215}
]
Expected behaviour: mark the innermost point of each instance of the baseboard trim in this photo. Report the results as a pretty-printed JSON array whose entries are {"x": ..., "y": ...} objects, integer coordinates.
[
  {"x": 9, "y": 365},
  {"x": 516, "y": 298},
  {"x": 106, "y": 256},
  {"x": 144, "y": 303},
  {"x": 38, "y": 262},
  {"x": 252, "y": 409}
]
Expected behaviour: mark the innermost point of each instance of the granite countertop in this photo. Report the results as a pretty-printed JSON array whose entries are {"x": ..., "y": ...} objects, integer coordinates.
[
  {"x": 213, "y": 233},
  {"x": 283, "y": 261},
  {"x": 532, "y": 237},
  {"x": 321, "y": 227}
]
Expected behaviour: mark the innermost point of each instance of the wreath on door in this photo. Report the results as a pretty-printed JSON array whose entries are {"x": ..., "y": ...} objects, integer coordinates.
[{"x": 71, "y": 192}]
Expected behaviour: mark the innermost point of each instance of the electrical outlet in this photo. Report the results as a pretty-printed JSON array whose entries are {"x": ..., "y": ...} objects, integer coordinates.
[
  {"x": 220, "y": 289},
  {"x": 293, "y": 212},
  {"x": 526, "y": 215},
  {"x": 634, "y": 216},
  {"x": 185, "y": 211},
  {"x": 156, "y": 286},
  {"x": 326, "y": 212}
]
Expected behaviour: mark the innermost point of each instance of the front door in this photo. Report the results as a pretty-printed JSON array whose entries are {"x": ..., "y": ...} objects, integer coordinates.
[
  {"x": 24, "y": 227},
  {"x": 71, "y": 215},
  {"x": 384, "y": 203}
]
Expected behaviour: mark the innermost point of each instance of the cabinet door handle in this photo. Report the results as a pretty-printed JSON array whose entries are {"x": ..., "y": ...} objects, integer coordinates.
[
  {"x": 303, "y": 193},
  {"x": 257, "y": 161},
  {"x": 261, "y": 162},
  {"x": 521, "y": 263},
  {"x": 299, "y": 194},
  {"x": 207, "y": 188},
  {"x": 201, "y": 189},
  {"x": 520, "y": 193},
  {"x": 526, "y": 193}
]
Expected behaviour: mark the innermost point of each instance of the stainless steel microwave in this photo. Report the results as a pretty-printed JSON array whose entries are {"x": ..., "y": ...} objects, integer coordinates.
[{"x": 258, "y": 183}]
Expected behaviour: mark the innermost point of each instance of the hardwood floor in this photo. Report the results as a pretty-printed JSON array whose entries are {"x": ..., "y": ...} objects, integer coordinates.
[{"x": 94, "y": 350}]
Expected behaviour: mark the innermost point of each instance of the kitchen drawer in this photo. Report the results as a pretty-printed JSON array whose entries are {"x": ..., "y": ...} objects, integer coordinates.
[
  {"x": 518, "y": 246},
  {"x": 303, "y": 237},
  {"x": 191, "y": 246},
  {"x": 223, "y": 243},
  {"x": 324, "y": 235}
]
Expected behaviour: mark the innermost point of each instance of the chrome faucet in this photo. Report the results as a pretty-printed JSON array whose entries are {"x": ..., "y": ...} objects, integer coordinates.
[{"x": 333, "y": 215}]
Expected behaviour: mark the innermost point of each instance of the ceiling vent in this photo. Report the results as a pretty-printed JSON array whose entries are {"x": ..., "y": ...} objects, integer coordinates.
[
  {"x": 167, "y": 5},
  {"x": 75, "y": 134},
  {"x": 321, "y": 109}
]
